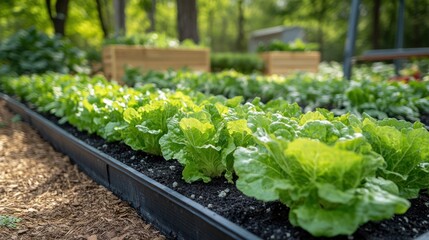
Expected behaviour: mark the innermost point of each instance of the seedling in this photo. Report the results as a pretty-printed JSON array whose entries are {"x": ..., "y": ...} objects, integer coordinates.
[
  {"x": 9, "y": 221},
  {"x": 16, "y": 118}
]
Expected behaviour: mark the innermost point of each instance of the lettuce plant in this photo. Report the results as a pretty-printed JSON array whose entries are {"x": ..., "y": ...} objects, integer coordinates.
[
  {"x": 405, "y": 148},
  {"x": 195, "y": 141},
  {"x": 147, "y": 124},
  {"x": 331, "y": 190},
  {"x": 204, "y": 141}
]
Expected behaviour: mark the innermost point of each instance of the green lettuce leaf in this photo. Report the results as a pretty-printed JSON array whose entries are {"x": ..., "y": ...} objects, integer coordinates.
[
  {"x": 405, "y": 148},
  {"x": 239, "y": 134},
  {"x": 193, "y": 140},
  {"x": 329, "y": 188},
  {"x": 204, "y": 142},
  {"x": 147, "y": 124}
]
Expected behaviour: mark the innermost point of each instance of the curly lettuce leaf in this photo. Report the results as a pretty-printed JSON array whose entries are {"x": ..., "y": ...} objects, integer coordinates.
[
  {"x": 204, "y": 141},
  {"x": 146, "y": 125},
  {"x": 239, "y": 134},
  {"x": 405, "y": 148},
  {"x": 194, "y": 141},
  {"x": 327, "y": 188},
  {"x": 276, "y": 124},
  {"x": 283, "y": 107}
]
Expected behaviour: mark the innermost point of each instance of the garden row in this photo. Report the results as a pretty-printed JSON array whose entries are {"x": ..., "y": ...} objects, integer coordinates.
[
  {"x": 325, "y": 168},
  {"x": 369, "y": 92}
]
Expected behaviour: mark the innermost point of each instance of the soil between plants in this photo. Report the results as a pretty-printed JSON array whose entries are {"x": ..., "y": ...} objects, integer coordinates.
[{"x": 267, "y": 220}]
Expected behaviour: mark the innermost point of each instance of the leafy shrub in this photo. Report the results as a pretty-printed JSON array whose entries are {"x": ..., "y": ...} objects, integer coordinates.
[
  {"x": 93, "y": 55},
  {"x": 296, "y": 46},
  {"x": 240, "y": 62},
  {"x": 30, "y": 51},
  {"x": 132, "y": 76}
]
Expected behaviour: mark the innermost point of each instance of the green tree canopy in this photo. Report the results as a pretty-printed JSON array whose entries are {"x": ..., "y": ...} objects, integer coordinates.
[{"x": 324, "y": 21}]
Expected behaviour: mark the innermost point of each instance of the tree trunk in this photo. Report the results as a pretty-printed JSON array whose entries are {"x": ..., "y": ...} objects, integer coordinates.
[
  {"x": 210, "y": 28},
  {"x": 119, "y": 6},
  {"x": 321, "y": 16},
  {"x": 376, "y": 24},
  {"x": 187, "y": 20},
  {"x": 101, "y": 18},
  {"x": 59, "y": 19},
  {"x": 151, "y": 14},
  {"x": 416, "y": 23},
  {"x": 240, "y": 44}
]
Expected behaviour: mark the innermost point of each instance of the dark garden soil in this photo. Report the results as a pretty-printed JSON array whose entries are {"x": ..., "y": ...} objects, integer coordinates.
[
  {"x": 268, "y": 220},
  {"x": 425, "y": 120}
]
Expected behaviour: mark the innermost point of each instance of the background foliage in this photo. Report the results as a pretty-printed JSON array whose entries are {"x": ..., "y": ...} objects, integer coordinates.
[
  {"x": 325, "y": 21},
  {"x": 31, "y": 51}
]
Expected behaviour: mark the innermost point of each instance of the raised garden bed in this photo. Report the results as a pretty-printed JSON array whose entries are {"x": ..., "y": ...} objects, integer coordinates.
[
  {"x": 174, "y": 214},
  {"x": 177, "y": 215},
  {"x": 117, "y": 57},
  {"x": 279, "y": 62}
]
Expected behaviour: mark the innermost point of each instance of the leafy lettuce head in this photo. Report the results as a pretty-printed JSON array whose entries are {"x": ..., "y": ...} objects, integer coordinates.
[{"x": 330, "y": 189}]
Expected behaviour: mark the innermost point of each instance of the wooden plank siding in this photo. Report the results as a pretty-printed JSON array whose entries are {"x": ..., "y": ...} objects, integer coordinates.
[
  {"x": 117, "y": 57},
  {"x": 277, "y": 62}
]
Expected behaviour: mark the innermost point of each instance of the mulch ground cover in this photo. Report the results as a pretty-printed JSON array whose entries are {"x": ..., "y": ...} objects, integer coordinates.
[{"x": 51, "y": 197}]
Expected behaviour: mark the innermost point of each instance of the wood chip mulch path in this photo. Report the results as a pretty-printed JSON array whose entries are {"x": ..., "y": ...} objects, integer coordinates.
[{"x": 53, "y": 199}]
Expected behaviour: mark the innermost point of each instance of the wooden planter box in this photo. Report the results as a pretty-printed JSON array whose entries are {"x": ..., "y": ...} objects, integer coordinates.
[
  {"x": 117, "y": 57},
  {"x": 277, "y": 62}
]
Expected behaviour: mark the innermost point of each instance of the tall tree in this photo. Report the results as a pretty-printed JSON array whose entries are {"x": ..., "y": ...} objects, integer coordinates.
[
  {"x": 210, "y": 22},
  {"x": 419, "y": 26},
  {"x": 240, "y": 42},
  {"x": 101, "y": 18},
  {"x": 376, "y": 23},
  {"x": 320, "y": 13},
  {"x": 187, "y": 20},
  {"x": 152, "y": 13},
  {"x": 149, "y": 6},
  {"x": 119, "y": 6},
  {"x": 60, "y": 16}
]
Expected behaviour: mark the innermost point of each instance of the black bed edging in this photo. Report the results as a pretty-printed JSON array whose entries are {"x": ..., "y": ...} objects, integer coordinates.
[{"x": 173, "y": 214}]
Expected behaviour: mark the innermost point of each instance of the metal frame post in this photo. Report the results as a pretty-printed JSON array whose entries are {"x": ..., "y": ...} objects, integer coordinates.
[
  {"x": 351, "y": 38},
  {"x": 399, "y": 34}
]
